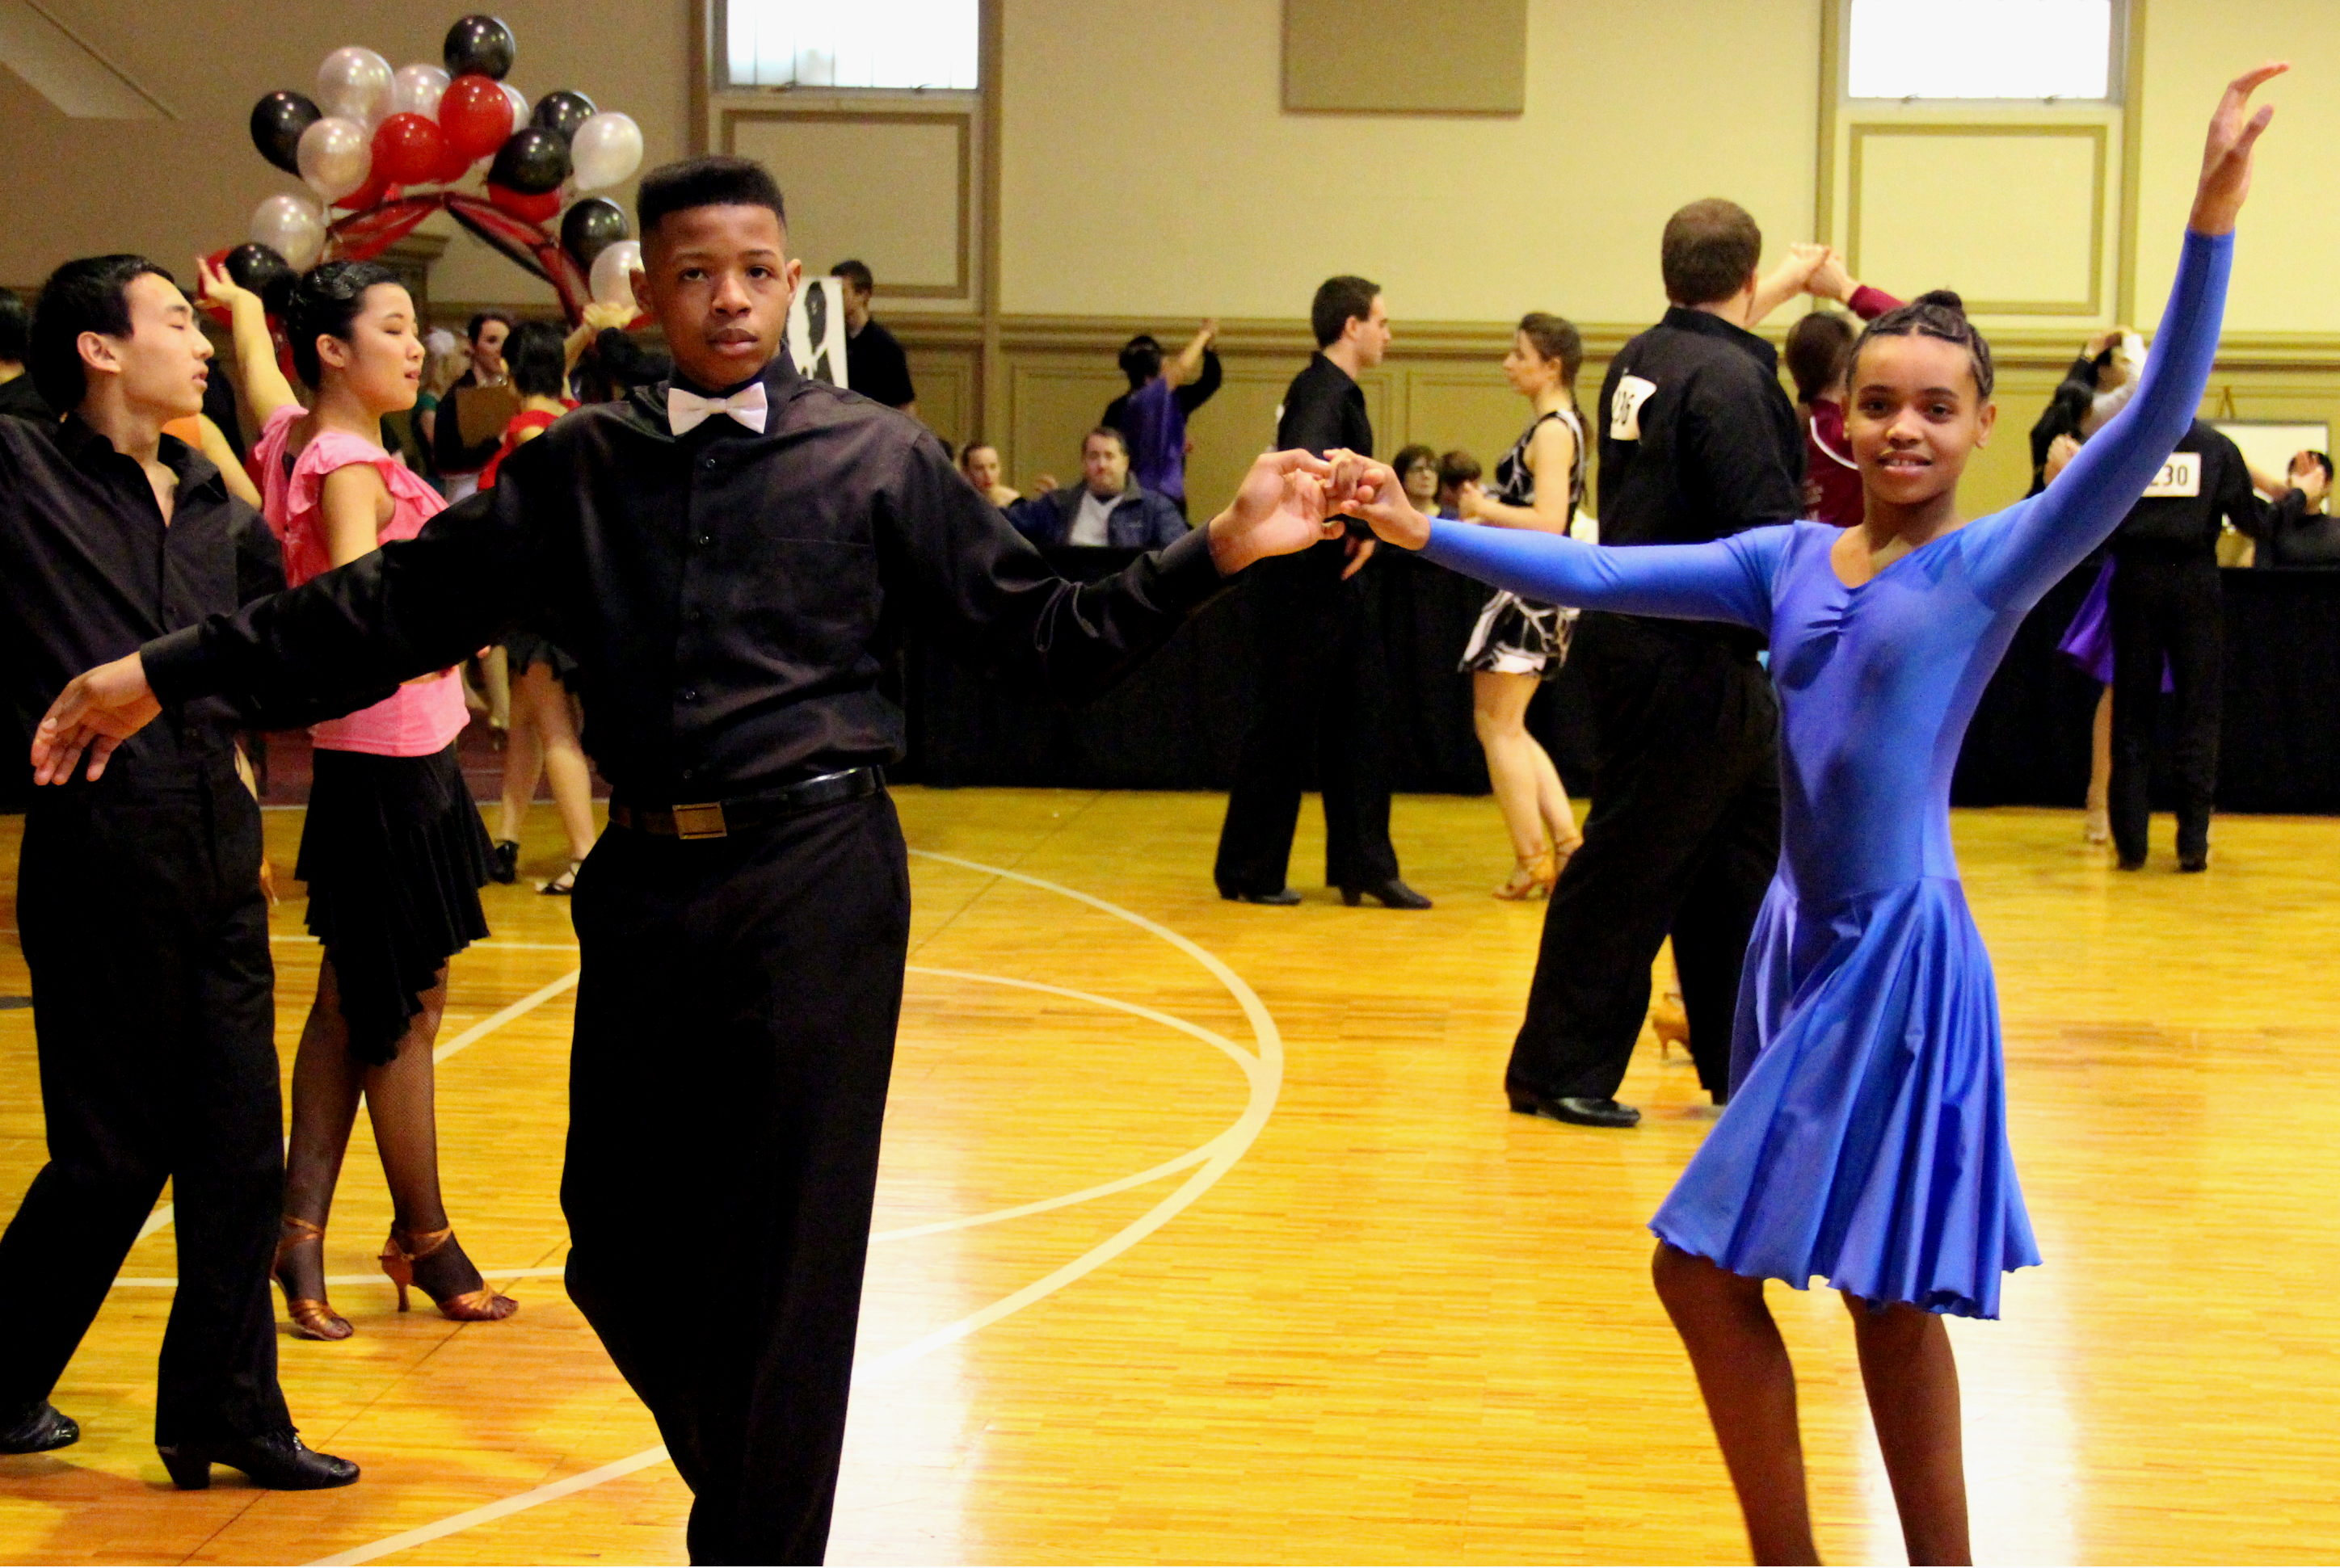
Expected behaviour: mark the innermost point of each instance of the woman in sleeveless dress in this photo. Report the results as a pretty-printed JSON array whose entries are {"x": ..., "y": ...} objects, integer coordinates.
[
  {"x": 1519, "y": 644},
  {"x": 392, "y": 847},
  {"x": 1864, "y": 1139}
]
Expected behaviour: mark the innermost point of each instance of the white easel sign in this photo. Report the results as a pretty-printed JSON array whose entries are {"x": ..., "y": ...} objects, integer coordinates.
[{"x": 817, "y": 331}]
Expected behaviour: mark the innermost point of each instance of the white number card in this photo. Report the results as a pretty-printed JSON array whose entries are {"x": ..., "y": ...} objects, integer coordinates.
[
  {"x": 1625, "y": 407},
  {"x": 2180, "y": 476}
]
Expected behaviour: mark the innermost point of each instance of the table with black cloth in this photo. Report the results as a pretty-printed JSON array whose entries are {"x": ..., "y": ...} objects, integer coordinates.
[{"x": 1178, "y": 722}]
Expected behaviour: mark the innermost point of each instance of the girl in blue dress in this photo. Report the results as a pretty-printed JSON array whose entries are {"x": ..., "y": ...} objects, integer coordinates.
[{"x": 1864, "y": 1139}]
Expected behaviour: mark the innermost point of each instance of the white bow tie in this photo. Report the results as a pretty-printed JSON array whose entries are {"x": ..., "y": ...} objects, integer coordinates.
[{"x": 686, "y": 411}]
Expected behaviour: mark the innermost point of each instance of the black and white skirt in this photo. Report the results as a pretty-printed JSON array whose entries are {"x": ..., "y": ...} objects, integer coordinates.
[
  {"x": 1517, "y": 637},
  {"x": 394, "y": 854}
]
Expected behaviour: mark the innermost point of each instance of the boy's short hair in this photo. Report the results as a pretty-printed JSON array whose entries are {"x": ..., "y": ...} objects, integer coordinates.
[
  {"x": 88, "y": 295},
  {"x": 1709, "y": 249},
  {"x": 716, "y": 180}
]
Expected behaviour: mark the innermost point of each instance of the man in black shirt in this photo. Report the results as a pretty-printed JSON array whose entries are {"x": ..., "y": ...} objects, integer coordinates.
[
  {"x": 728, "y": 558},
  {"x": 1697, "y": 440},
  {"x": 875, "y": 365},
  {"x": 139, "y": 895},
  {"x": 2167, "y": 613},
  {"x": 1320, "y": 655}
]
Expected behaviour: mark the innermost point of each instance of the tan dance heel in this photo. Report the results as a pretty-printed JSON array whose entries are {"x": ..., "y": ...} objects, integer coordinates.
[
  {"x": 1669, "y": 1021},
  {"x": 313, "y": 1317},
  {"x": 404, "y": 1250},
  {"x": 1535, "y": 876}
]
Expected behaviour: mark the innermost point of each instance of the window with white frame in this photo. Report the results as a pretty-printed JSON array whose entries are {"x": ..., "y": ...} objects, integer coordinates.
[
  {"x": 2020, "y": 49},
  {"x": 892, "y": 44}
]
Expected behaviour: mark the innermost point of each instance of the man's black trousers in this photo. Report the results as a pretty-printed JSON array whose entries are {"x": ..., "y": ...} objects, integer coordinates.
[
  {"x": 1683, "y": 838},
  {"x": 146, "y": 935},
  {"x": 1321, "y": 673},
  {"x": 734, "y": 1031},
  {"x": 2166, "y": 608}
]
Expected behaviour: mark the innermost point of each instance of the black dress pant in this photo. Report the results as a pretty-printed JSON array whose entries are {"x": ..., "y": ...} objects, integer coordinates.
[
  {"x": 735, "y": 1031},
  {"x": 147, "y": 938},
  {"x": 2166, "y": 608},
  {"x": 1321, "y": 670},
  {"x": 1683, "y": 838}
]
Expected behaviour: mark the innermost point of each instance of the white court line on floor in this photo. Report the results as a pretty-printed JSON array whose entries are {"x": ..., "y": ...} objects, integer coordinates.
[
  {"x": 471, "y": 1036},
  {"x": 1226, "y": 1148}
]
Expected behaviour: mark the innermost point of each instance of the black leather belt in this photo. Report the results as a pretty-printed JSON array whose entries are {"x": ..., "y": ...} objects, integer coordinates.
[{"x": 721, "y": 818}]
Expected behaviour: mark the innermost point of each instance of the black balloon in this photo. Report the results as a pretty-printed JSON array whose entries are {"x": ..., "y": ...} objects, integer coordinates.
[
  {"x": 480, "y": 44},
  {"x": 531, "y": 162},
  {"x": 265, "y": 272},
  {"x": 591, "y": 227},
  {"x": 277, "y": 122},
  {"x": 561, "y": 114}
]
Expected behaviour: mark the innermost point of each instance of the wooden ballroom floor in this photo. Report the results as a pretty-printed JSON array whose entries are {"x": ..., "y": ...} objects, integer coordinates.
[{"x": 1353, "y": 1310}]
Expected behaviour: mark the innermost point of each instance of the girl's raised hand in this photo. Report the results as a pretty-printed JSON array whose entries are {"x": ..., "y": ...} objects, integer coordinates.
[{"x": 2227, "y": 154}]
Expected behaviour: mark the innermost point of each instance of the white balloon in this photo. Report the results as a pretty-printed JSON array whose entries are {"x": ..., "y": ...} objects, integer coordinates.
[
  {"x": 605, "y": 152},
  {"x": 613, "y": 272},
  {"x": 291, "y": 226},
  {"x": 335, "y": 156},
  {"x": 417, "y": 89},
  {"x": 356, "y": 84},
  {"x": 519, "y": 105}
]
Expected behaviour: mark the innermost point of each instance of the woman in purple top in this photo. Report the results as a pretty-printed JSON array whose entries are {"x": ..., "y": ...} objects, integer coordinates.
[
  {"x": 1865, "y": 1138},
  {"x": 1152, "y": 415}
]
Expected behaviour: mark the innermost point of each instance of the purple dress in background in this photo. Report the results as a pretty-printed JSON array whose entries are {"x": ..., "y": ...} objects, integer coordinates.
[
  {"x": 1156, "y": 425},
  {"x": 2088, "y": 640}
]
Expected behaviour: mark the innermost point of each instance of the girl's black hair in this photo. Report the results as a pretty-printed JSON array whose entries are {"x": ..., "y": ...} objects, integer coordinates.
[
  {"x": 536, "y": 357},
  {"x": 1936, "y": 313},
  {"x": 325, "y": 303}
]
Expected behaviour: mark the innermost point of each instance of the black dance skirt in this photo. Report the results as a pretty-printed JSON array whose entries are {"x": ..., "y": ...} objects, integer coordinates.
[
  {"x": 523, "y": 647},
  {"x": 394, "y": 854}
]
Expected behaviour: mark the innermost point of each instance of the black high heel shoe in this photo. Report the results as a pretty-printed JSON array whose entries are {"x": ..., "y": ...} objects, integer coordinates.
[{"x": 280, "y": 1461}]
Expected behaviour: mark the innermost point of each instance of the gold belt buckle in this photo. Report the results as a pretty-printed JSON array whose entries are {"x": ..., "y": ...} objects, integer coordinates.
[{"x": 700, "y": 821}]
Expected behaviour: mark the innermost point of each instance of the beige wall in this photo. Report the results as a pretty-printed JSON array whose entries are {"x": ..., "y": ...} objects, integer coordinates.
[
  {"x": 175, "y": 188},
  {"x": 1147, "y": 166}
]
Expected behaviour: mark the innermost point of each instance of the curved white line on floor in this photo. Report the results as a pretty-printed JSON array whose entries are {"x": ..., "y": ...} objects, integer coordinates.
[
  {"x": 1193, "y": 1157},
  {"x": 1230, "y": 1146}
]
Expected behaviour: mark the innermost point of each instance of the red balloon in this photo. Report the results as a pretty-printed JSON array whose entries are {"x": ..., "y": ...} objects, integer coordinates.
[
  {"x": 451, "y": 167},
  {"x": 528, "y": 209},
  {"x": 475, "y": 115},
  {"x": 409, "y": 148},
  {"x": 377, "y": 190}
]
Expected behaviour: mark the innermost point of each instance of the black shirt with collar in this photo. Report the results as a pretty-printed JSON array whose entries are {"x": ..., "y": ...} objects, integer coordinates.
[
  {"x": 1698, "y": 439},
  {"x": 1324, "y": 409},
  {"x": 731, "y": 598},
  {"x": 876, "y": 367},
  {"x": 89, "y": 571},
  {"x": 2205, "y": 484}
]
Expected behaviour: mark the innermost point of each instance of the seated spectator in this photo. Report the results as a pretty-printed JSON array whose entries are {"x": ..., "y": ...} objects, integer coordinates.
[
  {"x": 1106, "y": 507},
  {"x": 875, "y": 365},
  {"x": 18, "y": 396},
  {"x": 981, "y": 463},
  {"x": 1455, "y": 470},
  {"x": 1417, "y": 469},
  {"x": 1152, "y": 415}
]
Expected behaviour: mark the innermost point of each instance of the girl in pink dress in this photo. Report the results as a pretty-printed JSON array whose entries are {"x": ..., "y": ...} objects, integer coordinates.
[{"x": 392, "y": 848}]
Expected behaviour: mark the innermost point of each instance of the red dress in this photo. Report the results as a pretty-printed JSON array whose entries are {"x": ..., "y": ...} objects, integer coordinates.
[{"x": 535, "y": 421}]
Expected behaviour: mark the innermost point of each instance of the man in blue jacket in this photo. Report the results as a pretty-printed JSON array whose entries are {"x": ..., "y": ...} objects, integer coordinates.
[{"x": 1106, "y": 507}]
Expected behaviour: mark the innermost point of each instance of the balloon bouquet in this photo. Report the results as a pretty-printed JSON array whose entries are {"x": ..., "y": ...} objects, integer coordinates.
[{"x": 372, "y": 134}]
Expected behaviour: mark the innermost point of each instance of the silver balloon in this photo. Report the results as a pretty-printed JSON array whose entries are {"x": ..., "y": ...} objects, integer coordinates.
[
  {"x": 520, "y": 105},
  {"x": 613, "y": 272},
  {"x": 605, "y": 152},
  {"x": 336, "y": 157},
  {"x": 356, "y": 84},
  {"x": 292, "y": 227},
  {"x": 416, "y": 90}
]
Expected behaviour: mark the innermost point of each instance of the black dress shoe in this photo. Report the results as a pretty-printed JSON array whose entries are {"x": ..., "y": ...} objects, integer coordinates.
[
  {"x": 2128, "y": 864},
  {"x": 280, "y": 1461},
  {"x": 1576, "y": 1108},
  {"x": 1392, "y": 894},
  {"x": 36, "y": 1428},
  {"x": 505, "y": 869},
  {"x": 1282, "y": 897},
  {"x": 2198, "y": 860}
]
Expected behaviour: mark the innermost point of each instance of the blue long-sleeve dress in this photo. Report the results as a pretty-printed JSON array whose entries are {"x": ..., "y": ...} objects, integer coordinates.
[{"x": 1865, "y": 1140}]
